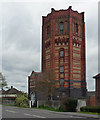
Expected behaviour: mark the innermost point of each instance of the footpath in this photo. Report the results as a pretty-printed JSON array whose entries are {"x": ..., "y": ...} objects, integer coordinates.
[{"x": 81, "y": 114}]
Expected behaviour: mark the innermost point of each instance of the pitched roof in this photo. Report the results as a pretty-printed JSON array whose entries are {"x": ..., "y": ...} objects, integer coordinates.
[
  {"x": 97, "y": 76},
  {"x": 11, "y": 91},
  {"x": 2, "y": 91}
]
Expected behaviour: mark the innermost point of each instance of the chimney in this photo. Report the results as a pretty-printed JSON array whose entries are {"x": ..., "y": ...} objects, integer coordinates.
[
  {"x": 11, "y": 87},
  {"x": 52, "y": 9},
  {"x": 70, "y": 7}
]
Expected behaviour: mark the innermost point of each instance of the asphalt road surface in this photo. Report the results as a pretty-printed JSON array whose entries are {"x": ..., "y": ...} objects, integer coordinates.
[{"x": 16, "y": 112}]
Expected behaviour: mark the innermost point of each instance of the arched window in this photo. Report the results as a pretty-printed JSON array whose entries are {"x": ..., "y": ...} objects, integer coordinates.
[{"x": 61, "y": 28}]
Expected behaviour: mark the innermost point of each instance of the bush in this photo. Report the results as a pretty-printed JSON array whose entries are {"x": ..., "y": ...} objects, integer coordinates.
[
  {"x": 41, "y": 106},
  {"x": 72, "y": 105},
  {"x": 21, "y": 101},
  {"x": 61, "y": 109},
  {"x": 90, "y": 109},
  {"x": 68, "y": 105}
]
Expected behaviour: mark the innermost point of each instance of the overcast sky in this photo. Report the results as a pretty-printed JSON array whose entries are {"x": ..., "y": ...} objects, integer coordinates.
[{"x": 20, "y": 31}]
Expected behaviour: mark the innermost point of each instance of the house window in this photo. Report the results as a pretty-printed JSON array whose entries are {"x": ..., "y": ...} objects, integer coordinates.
[
  {"x": 62, "y": 53},
  {"x": 61, "y": 69},
  {"x": 61, "y": 28},
  {"x": 76, "y": 28},
  {"x": 61, "y": 82}
]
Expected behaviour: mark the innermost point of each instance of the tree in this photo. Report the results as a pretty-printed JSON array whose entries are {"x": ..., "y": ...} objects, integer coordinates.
[
  {"x": 3, "y": 82},
  {"x": 21, "y": 100},
  {"x": 46, "y": 84}
]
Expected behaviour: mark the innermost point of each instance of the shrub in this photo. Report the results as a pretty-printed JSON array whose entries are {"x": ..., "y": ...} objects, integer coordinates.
[
  {"x": 21, "y": 101},
  {"x": 61, "y": 109},
  {"x": 68, "y": 105},
  {"x": 90, "y": 109},
  {"x": 72, "y": 105},
  {"x": 41, "y": 106}
]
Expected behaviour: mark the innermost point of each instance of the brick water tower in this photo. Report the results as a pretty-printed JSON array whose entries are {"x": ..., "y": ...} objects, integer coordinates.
[{"x": 63, "y": 50}]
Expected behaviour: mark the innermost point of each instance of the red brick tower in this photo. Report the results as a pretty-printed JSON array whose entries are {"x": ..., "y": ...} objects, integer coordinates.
[{"x": 63, "y": 49}]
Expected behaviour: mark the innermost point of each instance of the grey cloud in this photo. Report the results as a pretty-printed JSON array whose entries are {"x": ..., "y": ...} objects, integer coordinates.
[{"x": 21, "y": 31}]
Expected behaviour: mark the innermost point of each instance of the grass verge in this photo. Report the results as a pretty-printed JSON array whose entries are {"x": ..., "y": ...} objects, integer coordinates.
[{"x": 90, "y": 113}]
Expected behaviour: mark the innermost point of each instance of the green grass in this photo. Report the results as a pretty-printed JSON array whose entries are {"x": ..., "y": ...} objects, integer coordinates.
[
  {"x": 57, "y": 110},
  {"x": 90, "y": 113},
  {"x": 7, "y": 105},
  {"x": 14, "y": 106},
  {"x": 46, "y": 108},
  {"x": 51, "y": 109}
]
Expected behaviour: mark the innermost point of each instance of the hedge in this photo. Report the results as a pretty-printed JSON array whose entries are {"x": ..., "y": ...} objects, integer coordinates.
[{"x": 90, "y": 109}]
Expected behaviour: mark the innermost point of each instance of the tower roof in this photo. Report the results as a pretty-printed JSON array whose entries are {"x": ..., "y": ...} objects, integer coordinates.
[{"x": 69, "y": 8}]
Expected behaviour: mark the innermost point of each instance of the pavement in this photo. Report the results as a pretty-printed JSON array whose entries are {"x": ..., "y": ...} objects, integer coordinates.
[
  {"x": 9, "y": 113},
  {"x": 81, "y": 114}
]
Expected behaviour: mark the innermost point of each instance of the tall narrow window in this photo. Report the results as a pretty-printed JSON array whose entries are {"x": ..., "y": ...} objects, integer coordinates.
[
  {"x": 56, "y": 25},
  {"x": 66, "y": 26},
  {"x": 45, "y": 33},
  {"x": 62, "y": 53},
  {"x": 61, "y": 69},
  {"x": 61, "y": 28},
  {"x": 48, "y": 30},
  {"x": 76, "y": 28},
  {"x": 73, "y": 28},
  {"x": 79, "y": 30},
  {"x": 61, "y": 82}
]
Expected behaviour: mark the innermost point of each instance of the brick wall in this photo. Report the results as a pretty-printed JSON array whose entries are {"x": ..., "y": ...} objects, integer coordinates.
[
  {"x": 65, "y": 30},
  {"x": 91, "y": 101}
]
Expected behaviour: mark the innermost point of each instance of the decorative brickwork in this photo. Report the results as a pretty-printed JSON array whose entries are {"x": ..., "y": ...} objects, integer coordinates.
[{"x": 63, "y": 50}]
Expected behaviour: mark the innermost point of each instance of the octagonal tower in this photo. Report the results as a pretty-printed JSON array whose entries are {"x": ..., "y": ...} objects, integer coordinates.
[{"x": 63, "y": 50}]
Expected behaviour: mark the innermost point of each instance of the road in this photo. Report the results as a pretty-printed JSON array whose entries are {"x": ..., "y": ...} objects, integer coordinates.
[{"x": 16, "y": 112}]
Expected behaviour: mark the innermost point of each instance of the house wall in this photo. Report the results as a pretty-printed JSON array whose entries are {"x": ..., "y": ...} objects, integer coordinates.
[
  {"x": 8, "y": 102},
  {"x": 98, "y": 91},
  {"x": 91, "y": 101}
]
